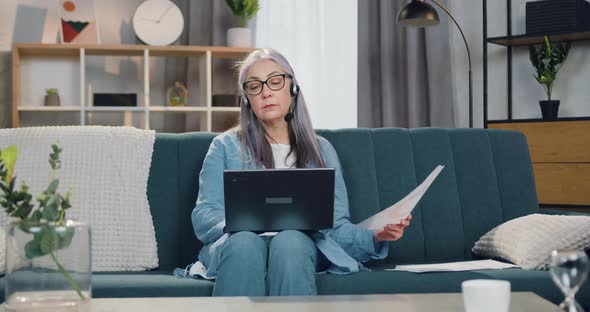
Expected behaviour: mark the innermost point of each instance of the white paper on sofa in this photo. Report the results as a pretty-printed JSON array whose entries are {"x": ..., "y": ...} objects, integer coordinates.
[
  {"x": 400, "y": 210},
  {"x": 455, "y": 266}
]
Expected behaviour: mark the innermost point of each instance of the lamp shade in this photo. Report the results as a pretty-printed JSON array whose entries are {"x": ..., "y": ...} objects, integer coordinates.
[{"x": 419, "y": 14}]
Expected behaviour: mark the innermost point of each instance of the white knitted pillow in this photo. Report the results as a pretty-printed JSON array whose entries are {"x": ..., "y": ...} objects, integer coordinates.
[
  {"x": 528, "y": 241},
  {"x": 107, "y": 170}
]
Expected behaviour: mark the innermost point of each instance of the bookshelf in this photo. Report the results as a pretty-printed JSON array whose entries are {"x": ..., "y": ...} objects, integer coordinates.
[{"x": 210, "y": 118}]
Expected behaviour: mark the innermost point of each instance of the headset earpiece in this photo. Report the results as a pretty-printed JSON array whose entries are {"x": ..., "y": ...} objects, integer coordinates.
[
  {"x": 245, "y": 101},
  {"x": 294, "y": 89}
]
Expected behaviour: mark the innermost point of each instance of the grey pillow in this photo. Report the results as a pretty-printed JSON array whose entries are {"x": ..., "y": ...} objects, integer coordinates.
[{"x": 528, "y": 241}]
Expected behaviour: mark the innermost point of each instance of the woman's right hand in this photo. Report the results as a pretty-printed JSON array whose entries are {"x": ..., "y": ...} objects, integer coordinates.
[{"x": 392, "y": 232}]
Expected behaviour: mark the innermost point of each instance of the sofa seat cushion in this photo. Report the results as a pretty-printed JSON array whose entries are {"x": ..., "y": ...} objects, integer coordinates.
[
  {"x": 379, "y": 281},
  {"x": 539, "y": 282},
  {"x": 140, "y": 284},
  {"x": 147, "y": 284}
]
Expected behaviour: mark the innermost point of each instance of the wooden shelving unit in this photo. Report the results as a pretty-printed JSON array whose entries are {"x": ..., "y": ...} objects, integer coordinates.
[
  {"x": 525, "y": 40},
  {"x": 205, "y": 55},
  {"x": 561, "y": 159}
]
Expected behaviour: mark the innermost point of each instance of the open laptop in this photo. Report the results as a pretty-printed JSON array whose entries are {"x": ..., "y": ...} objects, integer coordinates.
[{"x": 271, "y": 200}]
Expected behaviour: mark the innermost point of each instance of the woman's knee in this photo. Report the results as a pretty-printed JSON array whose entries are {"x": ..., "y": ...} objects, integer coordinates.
[
  {"x": 244, "y": 244},
  {"x": 293, "y": 243}
]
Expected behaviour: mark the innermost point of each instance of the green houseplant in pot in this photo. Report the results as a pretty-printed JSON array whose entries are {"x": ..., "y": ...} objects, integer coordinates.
[
  {"x": 51, "y": 97},
  {"x": 547, "y": 61},
  {"x": 243, "y": 11},
  {"x": 48, "y": 263}
]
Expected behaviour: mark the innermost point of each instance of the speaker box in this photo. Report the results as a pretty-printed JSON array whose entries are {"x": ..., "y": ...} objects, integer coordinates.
[
  {"x": 557, "y": 16},
  {"x": 114, "y": 99}
]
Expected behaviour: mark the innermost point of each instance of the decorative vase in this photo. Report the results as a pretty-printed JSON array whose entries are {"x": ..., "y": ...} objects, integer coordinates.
[
  {"x": 177, "y": 95},
  {"x": 48, "y": 267},
  {"x": 239, "y": 37},
  {"x": 549, "y": 109},
  {"x": 52, "y": 100}
]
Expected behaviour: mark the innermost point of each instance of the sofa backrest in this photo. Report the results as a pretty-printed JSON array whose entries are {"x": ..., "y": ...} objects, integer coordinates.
[{"x": 488, "y": 179}]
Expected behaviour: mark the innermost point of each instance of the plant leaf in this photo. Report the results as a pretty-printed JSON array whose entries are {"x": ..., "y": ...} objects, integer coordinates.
[
  {"x": 51, "y": 212},
  {"x": 8, "y": 157},
  {"x": 33, "y": 249},
  {"x": 49, "y": 240},
  {"x": 65, "y": 236},
  {"x": 52, "y": 187},
  {"x": 36, "y": 216}
]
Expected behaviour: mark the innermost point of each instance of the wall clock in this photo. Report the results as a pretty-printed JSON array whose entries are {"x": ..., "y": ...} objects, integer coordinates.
[{"x": 158, "y": 22}]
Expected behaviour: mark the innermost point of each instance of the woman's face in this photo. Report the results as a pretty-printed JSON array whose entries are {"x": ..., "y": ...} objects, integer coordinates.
[{"x": 269, "y": 101}]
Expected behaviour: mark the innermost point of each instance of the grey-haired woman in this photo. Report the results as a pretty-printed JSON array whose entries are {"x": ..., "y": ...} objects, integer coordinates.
[{"x": 275, "y": 131}]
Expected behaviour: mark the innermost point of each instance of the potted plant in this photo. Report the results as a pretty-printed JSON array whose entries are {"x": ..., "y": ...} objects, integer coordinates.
[
  {"x": 243, "y": 11},
  {"x": 48, "y": 263},
  {"x": 547, "y": 60},
  {"x": 51, "y": 97}
]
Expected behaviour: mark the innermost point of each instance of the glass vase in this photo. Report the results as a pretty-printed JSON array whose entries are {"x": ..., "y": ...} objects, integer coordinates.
[{"x": 48, "y": 267}]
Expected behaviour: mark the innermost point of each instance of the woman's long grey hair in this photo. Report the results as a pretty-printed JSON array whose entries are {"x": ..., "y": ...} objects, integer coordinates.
[{"x": 302, "y": 137}]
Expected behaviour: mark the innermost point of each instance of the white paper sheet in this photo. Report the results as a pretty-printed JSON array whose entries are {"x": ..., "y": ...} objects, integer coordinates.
[
  {"x": 400, "y": 210},
  {"x": 454, "y": 266}
]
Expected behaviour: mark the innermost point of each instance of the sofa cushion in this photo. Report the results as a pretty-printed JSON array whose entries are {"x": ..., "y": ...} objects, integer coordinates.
[
  {"x": 147, "y": 284},
  {"x": 140, "y": 284},
  {"x": 528, "y": 241},
  {"x": 539, "y": 282},
  {"x": 379, "y": 281},
  {"x": 172, "y": 192}
]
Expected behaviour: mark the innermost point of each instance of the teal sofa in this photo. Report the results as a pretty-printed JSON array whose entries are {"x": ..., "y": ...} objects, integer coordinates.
[{"x": 487, "y": 180}]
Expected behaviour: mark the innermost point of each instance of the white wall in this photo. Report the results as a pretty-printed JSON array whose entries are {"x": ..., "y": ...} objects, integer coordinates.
[{"x": 571, "y": 86}]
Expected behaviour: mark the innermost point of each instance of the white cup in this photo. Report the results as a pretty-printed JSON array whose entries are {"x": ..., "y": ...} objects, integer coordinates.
[{"x": 481, "y": 295}]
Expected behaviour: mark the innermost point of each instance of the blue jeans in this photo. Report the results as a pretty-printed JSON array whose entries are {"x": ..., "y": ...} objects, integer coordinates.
[{"x": 283, "y": 265}]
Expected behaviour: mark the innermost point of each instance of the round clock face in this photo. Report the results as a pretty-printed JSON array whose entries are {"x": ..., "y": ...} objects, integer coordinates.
[{"x": 158, "y": 22}]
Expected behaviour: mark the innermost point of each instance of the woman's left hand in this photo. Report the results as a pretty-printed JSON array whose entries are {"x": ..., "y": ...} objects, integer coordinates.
[{"x": 392, "y": 232}]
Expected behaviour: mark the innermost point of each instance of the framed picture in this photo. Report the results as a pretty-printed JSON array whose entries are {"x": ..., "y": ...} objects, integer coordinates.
[{"x": 78, "y": 21}]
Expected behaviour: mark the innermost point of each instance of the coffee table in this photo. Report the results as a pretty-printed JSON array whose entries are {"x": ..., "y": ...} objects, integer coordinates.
[{"x": 520, "y": 301}]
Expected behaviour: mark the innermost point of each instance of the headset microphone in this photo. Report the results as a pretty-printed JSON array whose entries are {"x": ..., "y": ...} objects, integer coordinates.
[{"x": 295, "y": 93}]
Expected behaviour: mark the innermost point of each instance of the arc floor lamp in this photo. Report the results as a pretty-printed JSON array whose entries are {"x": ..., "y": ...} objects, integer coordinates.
[{"x": 418, "y": 13}]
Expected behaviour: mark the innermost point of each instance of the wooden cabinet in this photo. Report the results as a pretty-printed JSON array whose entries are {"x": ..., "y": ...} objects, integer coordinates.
[
  {"x": 560, "y": 152},
  {"x": 207, "y": 117}
]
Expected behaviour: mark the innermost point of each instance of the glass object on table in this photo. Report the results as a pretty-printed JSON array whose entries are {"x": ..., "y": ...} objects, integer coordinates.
[
  {"x": 48, "y": 267},
  {"x": 569, "y": 269}
]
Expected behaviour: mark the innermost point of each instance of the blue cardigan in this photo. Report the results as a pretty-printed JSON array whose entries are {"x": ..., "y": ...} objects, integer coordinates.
[{"x": 345, "y": 246}]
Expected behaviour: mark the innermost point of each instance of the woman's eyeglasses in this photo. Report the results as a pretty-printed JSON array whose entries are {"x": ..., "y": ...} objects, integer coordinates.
[{"x": 275, "y": 83}]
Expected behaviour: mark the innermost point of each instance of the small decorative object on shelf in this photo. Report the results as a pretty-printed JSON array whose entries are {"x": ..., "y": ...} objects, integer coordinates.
[
  {"x": 547, "y": 61},
  {"x": 48, "y": 258},
  {"x": 177, "y": 95},
  {"x": 51, "y": 97},
  {"x": 243, "y": 10}
]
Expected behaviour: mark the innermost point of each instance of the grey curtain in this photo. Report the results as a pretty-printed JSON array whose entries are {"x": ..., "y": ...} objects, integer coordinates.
[
  {"x": 206, "y": 23},
  {"x": 404, "y": 73}
]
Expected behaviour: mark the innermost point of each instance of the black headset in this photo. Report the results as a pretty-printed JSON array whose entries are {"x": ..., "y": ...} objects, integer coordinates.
[{"x": 293, "y": 89}]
